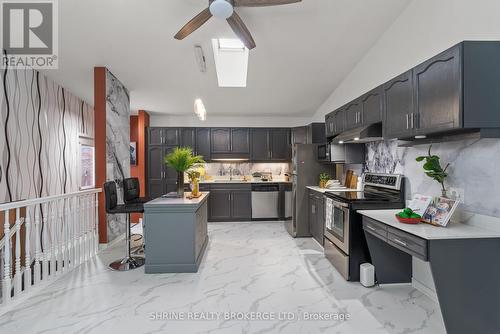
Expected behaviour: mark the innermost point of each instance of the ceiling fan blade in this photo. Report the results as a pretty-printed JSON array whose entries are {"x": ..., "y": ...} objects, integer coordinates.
[
  {"x": 194, "y": 24},
  {"x": 241, "y": 30},
  {"x": 262, "y": 3}
]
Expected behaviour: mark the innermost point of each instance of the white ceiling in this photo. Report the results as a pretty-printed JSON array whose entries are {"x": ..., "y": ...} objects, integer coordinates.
[{"x": 303, "y": 52}]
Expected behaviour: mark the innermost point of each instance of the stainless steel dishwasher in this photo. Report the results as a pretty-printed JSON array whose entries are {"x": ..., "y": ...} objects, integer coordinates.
[{"x": 265, "y": 201}]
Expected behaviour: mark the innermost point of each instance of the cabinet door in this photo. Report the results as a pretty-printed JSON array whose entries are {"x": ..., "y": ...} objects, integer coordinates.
[
  {"x": 330, "y": 125},
  {"x": 203, "y": 143},
  {"x": 221, "y": 140},
  {"x": 339, "y": 122},
  {"x": 372, "y": 106},
  {"x": 438, "y": 93},
  {"x": 260, "y": 145},
  {"x": 299, "y": 135},
  {"x": 155, "y": 136},
  {"x": 398, "y": 103},
  {"x": 240, "y": 140},
  {"x": 155, "y": 169},
  {"x": 312, "y": 215},
  {"x": 353, "y": 113},
  {"x": 171, "y": 136},
  {"x": 220, "y": 204},
  {"x": 320, "y": 219},
  {"x": 170, "y": 174},
  {"x": 241, "y": 204},
  {"x": 188, "y": 138},
  {"x": 281, "y": 149}
]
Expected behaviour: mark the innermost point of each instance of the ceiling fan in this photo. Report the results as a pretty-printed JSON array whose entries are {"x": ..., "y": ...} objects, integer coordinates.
[{"x": 224, "y": 9}]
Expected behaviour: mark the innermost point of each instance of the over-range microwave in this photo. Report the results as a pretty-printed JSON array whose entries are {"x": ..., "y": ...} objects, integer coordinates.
[{"x": 323, "y": 152}]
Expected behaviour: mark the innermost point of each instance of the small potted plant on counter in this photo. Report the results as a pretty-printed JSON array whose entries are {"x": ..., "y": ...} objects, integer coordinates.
[
  {"x": 432, "y": 168},
  {"x": 182, "y": 159},
  {"x": 323, "y": 179}
]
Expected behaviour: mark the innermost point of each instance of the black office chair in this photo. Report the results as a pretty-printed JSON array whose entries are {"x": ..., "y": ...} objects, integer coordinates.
[{"x": 112, "y": 207}]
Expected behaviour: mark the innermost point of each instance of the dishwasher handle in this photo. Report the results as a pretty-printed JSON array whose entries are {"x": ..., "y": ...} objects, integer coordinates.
[{"x": 265, "y": 187}]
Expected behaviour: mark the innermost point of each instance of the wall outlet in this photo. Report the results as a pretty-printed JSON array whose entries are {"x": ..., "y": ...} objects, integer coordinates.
[{"x": 457, "y": 194}]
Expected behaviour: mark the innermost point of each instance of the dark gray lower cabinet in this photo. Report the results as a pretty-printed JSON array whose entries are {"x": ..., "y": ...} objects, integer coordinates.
[
  {"x": 229, "y": 202},
  {"x": 219, "y": 205},
  {"x": 316, "y": 216}
]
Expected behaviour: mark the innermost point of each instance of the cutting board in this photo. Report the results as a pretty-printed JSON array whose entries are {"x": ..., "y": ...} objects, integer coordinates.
[{"x": 348, "y": 178}]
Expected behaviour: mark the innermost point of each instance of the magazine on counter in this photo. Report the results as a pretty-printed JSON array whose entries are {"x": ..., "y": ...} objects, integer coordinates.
[
  {"x": 440, "y": 211},
  {"x": 420, "y": 203}
]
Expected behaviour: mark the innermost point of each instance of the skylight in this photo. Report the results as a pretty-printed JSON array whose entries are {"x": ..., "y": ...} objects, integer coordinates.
[{"x": 231, "y": 62}]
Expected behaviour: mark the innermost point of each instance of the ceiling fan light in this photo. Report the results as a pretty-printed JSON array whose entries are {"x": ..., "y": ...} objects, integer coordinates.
[{"x": 221, "y": 9}]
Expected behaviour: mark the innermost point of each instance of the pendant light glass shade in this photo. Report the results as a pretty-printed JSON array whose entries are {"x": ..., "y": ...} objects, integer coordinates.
[{"x": 199, "y": 109}]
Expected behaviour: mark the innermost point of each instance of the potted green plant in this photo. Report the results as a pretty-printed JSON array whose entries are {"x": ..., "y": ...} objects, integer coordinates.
[
  {"x": 182, "y": 159},
  {"x": 323, "y": 179},
  {"x": 432, "y": 168}
]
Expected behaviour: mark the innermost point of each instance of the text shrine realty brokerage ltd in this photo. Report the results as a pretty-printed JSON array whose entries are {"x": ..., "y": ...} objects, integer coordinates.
[{"x": 249, "y": 316}]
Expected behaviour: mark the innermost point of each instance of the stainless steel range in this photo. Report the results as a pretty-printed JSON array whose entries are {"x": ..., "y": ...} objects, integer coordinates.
[{"x": 345, "y": 244}]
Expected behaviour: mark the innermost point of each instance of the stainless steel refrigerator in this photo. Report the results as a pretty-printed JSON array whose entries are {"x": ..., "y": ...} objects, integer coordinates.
[{"x": 306, "y": 170}]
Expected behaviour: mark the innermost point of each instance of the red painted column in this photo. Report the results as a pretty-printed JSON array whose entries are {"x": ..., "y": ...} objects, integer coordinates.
[
  {"x": 100, "y": 145},
  {"x": 138, "y": 126}
]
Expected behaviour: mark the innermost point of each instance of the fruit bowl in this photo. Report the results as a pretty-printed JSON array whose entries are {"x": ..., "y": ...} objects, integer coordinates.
[{"x": 408, "y": 220}]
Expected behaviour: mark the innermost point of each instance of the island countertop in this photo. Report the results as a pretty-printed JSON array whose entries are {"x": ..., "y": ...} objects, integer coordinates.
[{"x": 178, "y": 202}]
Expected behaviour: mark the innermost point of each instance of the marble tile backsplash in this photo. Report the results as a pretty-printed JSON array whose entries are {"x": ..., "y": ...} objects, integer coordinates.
[
  {"x": 245, "y": 168},
  {"x": 474, "y": 167}
]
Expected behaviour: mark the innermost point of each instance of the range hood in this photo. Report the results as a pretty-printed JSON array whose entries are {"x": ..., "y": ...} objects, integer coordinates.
[{"x": 360, "y": 135}]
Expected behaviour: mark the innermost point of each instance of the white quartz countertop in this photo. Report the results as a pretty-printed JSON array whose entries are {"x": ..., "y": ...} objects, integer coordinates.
[
  {"x": 161, "y": 201},
  {"x": 454, "y": 230},
  {"x": 324, "y": 190}
]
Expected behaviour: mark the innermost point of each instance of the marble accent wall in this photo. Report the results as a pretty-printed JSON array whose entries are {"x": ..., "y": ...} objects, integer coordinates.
[
  {"x": 117, "y": 143},
  {"x": 246, "y": 168},
  {"x": 40, "y": 126},
  {"x": 474, "y": 168}
]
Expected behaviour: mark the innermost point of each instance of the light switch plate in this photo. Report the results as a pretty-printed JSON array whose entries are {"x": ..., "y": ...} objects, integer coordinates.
[{"x": 457, "y": 194}]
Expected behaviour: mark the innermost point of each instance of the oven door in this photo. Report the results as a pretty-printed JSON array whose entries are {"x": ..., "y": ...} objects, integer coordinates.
[{"x": 337, "y": 224}]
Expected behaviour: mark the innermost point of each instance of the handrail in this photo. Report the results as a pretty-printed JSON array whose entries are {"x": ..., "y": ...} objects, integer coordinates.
[{"x": 35, "y": 201}]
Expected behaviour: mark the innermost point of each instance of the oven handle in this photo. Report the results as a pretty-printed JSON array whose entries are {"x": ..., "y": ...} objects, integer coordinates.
[{"x": 339, "y": 204}]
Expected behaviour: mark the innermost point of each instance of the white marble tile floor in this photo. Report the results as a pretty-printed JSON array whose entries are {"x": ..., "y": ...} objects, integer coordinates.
[{"x": 250, "y": 269}]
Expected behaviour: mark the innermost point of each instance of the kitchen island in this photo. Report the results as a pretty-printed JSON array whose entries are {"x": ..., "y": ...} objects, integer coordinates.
[{"x": 175, "y": 234}]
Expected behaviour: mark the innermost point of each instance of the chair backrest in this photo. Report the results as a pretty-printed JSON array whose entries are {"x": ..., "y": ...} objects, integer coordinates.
[
  {"x": 111, "y": 196},
  {"x": 131, "y": 189}
]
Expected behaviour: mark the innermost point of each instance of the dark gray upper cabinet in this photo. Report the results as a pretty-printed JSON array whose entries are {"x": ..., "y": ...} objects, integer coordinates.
[
  {"x": 398, "y": 103},
  {"x": 371, "y": 104},
  {"x": 170, "y": 136},
  {"x": 330, "y": 125},
  {"x": 260, "y": 145},
  {"x": 353, "y": 114},
  {"x": 188, "y": 138},
  {"x": 203, "y": 143},
  {"x": 240, "y": 140},
  {"x": 339, "y": 121},
  {"x": 281, "y": 149},
  {"x": 155, "y": 136},
  {"x": 221, "y": 140},
  {"x": 438, "y": 93}
]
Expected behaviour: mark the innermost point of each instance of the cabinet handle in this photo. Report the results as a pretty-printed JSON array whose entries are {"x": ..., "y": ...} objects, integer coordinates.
[
  {"x": 407, "y": 121},
  {"x": 402, "y": 243},
  {"x": 371, "y": 228},
  {"x": 412, "y": 121}
]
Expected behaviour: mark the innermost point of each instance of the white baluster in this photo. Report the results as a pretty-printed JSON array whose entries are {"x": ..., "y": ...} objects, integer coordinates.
[
  {"x": 38, "y": 252},
  {"x": 45, "y": 245},
  {"x": 83, "y": 228},
  {"x": 6, "y": 285},
  {"x": 64, "y": 235},
  {"x": 59, "y": 232},
  {"x": 18, "y": 274},
  {"x": 88, "y": 225},
  {"x": 70, "y": 241},
  {"x": 77, "y": 232},
  {"x": 96, "y": 224},
  {"x": 51, "y": 236},
  {"x": 27, "y": 250}
]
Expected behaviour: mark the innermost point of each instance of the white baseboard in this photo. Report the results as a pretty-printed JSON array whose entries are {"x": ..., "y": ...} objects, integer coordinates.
[{"x": 425, "y": 290}]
